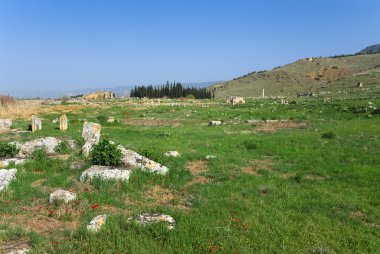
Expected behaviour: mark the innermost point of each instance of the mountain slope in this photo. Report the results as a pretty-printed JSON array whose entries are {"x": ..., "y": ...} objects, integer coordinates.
[{"x": 305, "y": 75}]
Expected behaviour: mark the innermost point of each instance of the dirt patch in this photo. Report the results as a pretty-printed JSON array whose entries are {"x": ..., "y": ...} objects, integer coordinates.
[
  {"x": 12, "y": 246},
  {"x": 37, "y": 182},
  {"x": 162, "y": 196},
  {"x": 197, "y": 168},
  {"x": 152, "y": 122},
  {"x": 313, "y": 178},
  {"x": 357, "y": 215},
  {"x": 287, "y": 175},
  {"x": 257, "y": 166},
  {"x": 274, "y": 125}
]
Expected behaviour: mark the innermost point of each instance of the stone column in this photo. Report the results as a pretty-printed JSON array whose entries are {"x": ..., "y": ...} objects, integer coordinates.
[
  {"x": 263, "y": 95},
  {"x": 63, "y": 123},
  {"x": 36, "y": 123}
]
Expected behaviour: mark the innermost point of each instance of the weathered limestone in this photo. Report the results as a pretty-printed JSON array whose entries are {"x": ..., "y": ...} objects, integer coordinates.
[
  {"x": 96, "y": 223},
  {"x": 47, "y": 144},
  {"x": 6, "y": 177},
  {"x": 215, "y": 123},
  {"x": 359, "y": 84},
  {"x": 146, "y": 218},
  {"x": 172, "y": 154},
  {"x": 100, "y": 95},
  {"x": 6, "y": 162},
  {"x": 210, "y": 157},
  {"x": 15, "y": 247},
  {"x": 105, "y": 173},
  {"x": 36, "y": 123},
  {"x": 5, "y": 125},
  {"x": 91, "y": 136},
  {"x": 111, "y": 119},
  {"x": 63, "y": 123},
  {"x": 62, "y": 195},
  {"x": 235, "y": 100},
  {"x": 132, "y": 159}
]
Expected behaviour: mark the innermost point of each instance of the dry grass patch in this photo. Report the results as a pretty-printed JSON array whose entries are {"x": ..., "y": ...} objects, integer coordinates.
[
  {"x": 152, "y": 122},
  {"x": 273, "y": 126},
  {"x": 197, "y": 168},
  {"x": 257, "y": 166}
]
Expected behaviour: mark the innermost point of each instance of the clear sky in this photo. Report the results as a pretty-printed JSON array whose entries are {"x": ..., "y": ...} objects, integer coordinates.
[{"x": 73, "y": 44}]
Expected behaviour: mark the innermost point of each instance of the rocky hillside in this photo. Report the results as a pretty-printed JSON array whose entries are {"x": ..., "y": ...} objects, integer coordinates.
[
  {"x": 306, "y": 75},
  {"x": 371, "y": 49}
]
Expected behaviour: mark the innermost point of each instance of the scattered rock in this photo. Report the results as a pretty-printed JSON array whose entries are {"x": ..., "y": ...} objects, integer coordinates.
[
  {"x": 210, "y": 157},
  {"x": 91, "y": 136},
  {"x": 96, "y": 223},
  {"x": 105, "y": 173},
  {"x": 77, "y": 165},
  {"x": 111, "y": 119},
  {"x": 147, "y": 218},
  {"x": 215, "y": 123},
  {"x": 6, "y": 176},
  {"x": 235, "y": 100},
  {"x": 54, "y": 121},
  {"x": 6, "y": 162},
  {"x": 172, "y": 154},
  {"x": 5, "y": 125},
  {"x": 133, "y": 159},
  {"x": 254, "y": 121},
  {"x": 15, "y": 247},
  {"x": 47, "y": 144},
  {"x": 62, "y": 195},
  {"x": 36, "y": 123}
]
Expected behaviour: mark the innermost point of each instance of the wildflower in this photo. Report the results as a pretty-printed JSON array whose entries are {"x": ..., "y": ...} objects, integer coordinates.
[
  {"x": 238, "y": 220},
  {"x": 51, "y": 212},
  {"x": 94, "y": 206}
]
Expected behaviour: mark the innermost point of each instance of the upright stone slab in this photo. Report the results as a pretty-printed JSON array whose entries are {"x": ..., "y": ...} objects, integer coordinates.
[
  {"x": 63, "y": 123},
  {"x": 36, "y": 123},
  {"x": 5, "y": 125},
  {"x": 91, "y": 136}
]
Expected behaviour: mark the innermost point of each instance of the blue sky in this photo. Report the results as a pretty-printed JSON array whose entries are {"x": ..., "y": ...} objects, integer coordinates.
[{"x": 73, "y": 44}]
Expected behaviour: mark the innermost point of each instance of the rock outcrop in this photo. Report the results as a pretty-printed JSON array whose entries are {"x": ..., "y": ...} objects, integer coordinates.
[
  {"x": 100, "y": 95},
  {"x": 105, "y": 173},
  {"x": 47, "y": 144}
]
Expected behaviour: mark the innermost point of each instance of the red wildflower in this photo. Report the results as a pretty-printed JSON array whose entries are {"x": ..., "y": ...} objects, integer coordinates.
[
  {"x": 236, "y": 252},
  {"x": 238, "y": 220},
  {"x": 94, "y": 206},
  {"x": 51, "y": 212}
]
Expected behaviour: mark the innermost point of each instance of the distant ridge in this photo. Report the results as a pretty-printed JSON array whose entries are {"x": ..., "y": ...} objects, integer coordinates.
[{"x": 371, "y": 49}]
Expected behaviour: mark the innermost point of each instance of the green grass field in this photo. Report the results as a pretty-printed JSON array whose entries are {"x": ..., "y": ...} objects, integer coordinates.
[{"x": 311, "y": 188}]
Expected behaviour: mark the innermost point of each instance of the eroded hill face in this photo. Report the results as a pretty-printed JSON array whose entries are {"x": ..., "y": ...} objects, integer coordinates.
[{"x": 306, "y": 75}]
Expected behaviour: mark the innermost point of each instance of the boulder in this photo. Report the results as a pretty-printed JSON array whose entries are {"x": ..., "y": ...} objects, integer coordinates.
[
  {"x": 96, "y": 223},
  {"x": 6, "y": 162},
  {"x": 105, "y": 173},
  {"x": 172, "y": 154},
  {"x": 62, "y": 195},
  {"x": 147, "y": 218},
  {"x": 133, "y": 159},
  {"x": 5, "y": 125},
  {"x": 6, "y": 177},
  {"x": 47, "y": 144}
]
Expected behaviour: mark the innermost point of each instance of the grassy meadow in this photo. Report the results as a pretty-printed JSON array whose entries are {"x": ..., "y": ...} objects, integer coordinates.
[{"x": 309, "y": 185}]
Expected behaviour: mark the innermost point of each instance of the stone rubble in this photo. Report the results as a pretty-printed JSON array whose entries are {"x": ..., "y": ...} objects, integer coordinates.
[
  {"x": 147, "y": 218},
  {"x": 6, "y": 177},
  {"x": 96, "y": 223},
  {"x": 6, "y": 162},
  {"x": 62, "y": 195},
  {"x": 47, "y": 144},
  {"x": 105, "y": 173},
  {"x": 215, "y": 123},
  {"x": 132, "y": 159},
  {"x": 172, "y": 154},
  {"x": 5, "y": 125}
]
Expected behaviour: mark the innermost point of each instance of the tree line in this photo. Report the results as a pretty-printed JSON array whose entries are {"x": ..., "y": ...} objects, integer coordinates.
[{"x": 171, "y": 90}]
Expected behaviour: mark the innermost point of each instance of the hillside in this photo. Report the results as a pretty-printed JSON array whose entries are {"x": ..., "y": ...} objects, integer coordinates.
[
  {"x": 371, "y": 49},
  {"x": 306, "y": 75}
]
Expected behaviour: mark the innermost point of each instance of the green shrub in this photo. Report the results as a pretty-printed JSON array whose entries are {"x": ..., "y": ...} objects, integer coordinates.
[
  {"x": 105, "y": 154},
  {"x": 102, "y": 119},
  {"x": 39, "y": 155},
  {"x": 153, "y": 155},
  {"x": 62, "y": 147},
  {"x": 249, "y": 145},
  {"x": 8, "y": 150},
  {"x": 328, "y": 135}
]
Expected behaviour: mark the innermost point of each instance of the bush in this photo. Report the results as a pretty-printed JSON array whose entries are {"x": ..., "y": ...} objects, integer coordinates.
[
  {"x": 62, "y": 147},
  {"x": 105, "y": 154},
  {"x": 249, "y": 145},
  {"x": 153, "y": 155},
  {"x": 328, "y": 135},
  {"x": 8, "y": 150},
  {"x": 102, "y": 119}
]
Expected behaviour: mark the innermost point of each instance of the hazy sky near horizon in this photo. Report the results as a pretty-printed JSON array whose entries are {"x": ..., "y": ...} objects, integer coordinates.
[{"x": 73, "y": 44}]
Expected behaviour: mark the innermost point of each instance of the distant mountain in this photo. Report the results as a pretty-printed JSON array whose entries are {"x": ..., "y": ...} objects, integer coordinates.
[{"x": 371, "y": 49}]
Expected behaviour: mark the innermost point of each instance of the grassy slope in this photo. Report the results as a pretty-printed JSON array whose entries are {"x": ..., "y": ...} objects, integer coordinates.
[
  {"x": 279, "y": 210},
  {"x": 301, "y": 76}
]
